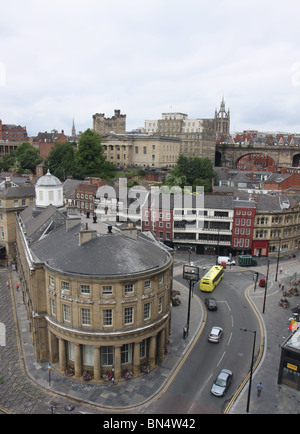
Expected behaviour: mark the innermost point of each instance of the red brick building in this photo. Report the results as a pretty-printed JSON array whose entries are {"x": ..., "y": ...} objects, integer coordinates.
[
  {"x": 157, "y": 216},
  {"x": 13, "y": 133},
  {"x": 46, "y": 141},
  {"x": 242, "y": 228},
  {"x": 85, "y": 195}
]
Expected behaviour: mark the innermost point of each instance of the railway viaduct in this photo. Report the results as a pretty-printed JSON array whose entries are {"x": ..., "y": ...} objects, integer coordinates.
[{"x": 228, "y": 155}]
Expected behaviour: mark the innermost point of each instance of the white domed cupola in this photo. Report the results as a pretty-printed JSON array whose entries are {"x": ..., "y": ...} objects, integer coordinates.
[{"x": 49, "y": 190}]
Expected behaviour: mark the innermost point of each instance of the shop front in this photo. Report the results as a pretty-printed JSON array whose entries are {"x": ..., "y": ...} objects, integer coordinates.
[{"x": 289, "y": 369}]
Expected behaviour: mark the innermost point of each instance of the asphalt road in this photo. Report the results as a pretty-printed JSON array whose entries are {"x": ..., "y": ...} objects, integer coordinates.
[{"x": 189, "y": 392}]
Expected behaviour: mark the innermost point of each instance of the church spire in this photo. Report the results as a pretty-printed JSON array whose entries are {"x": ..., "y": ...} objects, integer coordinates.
[{"x": 73, "y": 129}]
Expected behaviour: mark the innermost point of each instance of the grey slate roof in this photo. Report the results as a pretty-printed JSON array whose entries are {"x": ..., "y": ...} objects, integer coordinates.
[{"x": 106, "y": 255}]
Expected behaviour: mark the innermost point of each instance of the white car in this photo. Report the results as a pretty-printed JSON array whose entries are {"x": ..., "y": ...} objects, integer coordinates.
[
  {"x": 215, "y": 334},
  {"x": 226, "y": 259}
]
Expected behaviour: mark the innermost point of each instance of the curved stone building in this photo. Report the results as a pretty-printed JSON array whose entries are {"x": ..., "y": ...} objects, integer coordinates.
[{"x": 97, "y": 298}]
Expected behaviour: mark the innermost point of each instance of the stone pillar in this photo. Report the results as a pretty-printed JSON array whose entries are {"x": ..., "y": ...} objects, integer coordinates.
[
  {"x": 53, "y": 348},
  {"x": 152, "y": 351},
  {"x": 117, "y": 363},
  {"x": 62, "y": 355},
  {"x": 136, "y": 359},
  {"x": 97, "y": 367},
  {"x": 162, "y": 339},
  {"x": 78, "y": 363}
]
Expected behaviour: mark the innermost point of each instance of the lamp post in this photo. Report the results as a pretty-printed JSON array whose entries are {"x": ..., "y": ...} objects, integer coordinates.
[
  {"x": 251, "y": 370},
  {"x": 278, "y": 253},
  {"x": 265, "y": 296},
  {"x": 191, "y": 274}
]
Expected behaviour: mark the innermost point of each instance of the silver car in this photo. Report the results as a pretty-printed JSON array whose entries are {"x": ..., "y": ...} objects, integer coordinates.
[
  {"x": 222, "y": 382},
  {"x": 215, "y": 334}
]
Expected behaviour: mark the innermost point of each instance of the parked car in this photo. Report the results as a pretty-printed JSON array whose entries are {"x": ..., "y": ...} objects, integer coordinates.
[
  {"x": 215, "y": 334},
  {"x": 222, "y": 383},
  {"x": 227, "y": 259},
  {"x": 210, "y": 303}
]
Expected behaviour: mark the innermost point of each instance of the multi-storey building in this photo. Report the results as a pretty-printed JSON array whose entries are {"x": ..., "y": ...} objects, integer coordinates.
[
  {"x": 141, "y": 150},
  {"x": 13, "y": 198},
  {"x": 13, "y": 133},
  {"x": 98, "y": 299},
  {"x": 276, "y": 226},
  {"x": 242, "y": 229},
  {"x": 197, "y": 137}
]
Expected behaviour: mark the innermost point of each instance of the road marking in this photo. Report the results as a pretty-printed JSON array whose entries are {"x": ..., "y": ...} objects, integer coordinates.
[
  {"x": 221, "y": 358},
  {"x": 229, "y": 339}
]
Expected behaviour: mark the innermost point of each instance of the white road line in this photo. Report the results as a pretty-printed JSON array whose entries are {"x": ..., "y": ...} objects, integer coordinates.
[{"x": 221, "y": 358}]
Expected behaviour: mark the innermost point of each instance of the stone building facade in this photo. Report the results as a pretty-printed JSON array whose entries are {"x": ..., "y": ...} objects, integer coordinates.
[
  {"x": 103, "y": 125},
  {"x": 141, "y": 150},
  {"x": 13, "y": 198},
  {"x": 197, "y": 138},
  {"x": 97, "y": 299}
]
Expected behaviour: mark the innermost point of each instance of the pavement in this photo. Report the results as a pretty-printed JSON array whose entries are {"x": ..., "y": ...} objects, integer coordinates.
[{"x": 33, "y": 379}]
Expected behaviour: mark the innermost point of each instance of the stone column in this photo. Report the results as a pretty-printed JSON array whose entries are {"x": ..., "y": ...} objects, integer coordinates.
[
  {"x": 62, "y": 355},
  {"x": 152, "y": 351},
  {"x": 162, "y": 338},
  {"x": 117, "y": 363},
  {"x": 78, "y": 363},
  {"x": 97, "y": 367},
  {"x": 136, "y": 358}
]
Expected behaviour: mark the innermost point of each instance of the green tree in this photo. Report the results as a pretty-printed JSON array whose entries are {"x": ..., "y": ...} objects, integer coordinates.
[
  {"x": 7, "y": 161},
  {"x": 192, "y": 172},
  {"x": 61, "y": 161},
  {"x": 27, "y": 157},
  {"x": 90, "y": 153}
]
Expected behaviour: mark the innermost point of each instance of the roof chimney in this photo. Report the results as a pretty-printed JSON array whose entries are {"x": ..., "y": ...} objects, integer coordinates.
[{"x": 86, "y": 235}]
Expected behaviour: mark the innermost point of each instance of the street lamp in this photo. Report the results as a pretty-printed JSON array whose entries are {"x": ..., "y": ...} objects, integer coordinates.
[
  {"x": 251, "y": 370},
  {"x": 266, "y": 285},
  {"x": 191, "y": 274},
  {"x": 278, "y": 253}
]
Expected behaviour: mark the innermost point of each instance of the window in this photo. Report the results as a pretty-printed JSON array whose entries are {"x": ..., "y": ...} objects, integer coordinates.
[
  {"x": 16, "y": 203},
  {"x": 106, "y": 290},
  {"x": 85, "y": 317},
  {"x": 126, "y": 353},
  {"x": 129, "y": 288},
  {"x": 67, "y": 313},
  {"x": 147, "y": 284},
  {"x": 53, "y": 307},
  {"x": 88, "y": 355},
  {"x": 51, "y": 281},
  {"x": 107, "y": 317},
  {"x": 160, "y": 304},
  {"x": 143, "y": 349},
  {"x": 128, "y": 315},
  {"x": 1, "y": 233},
  {"x": 85, "y": 289},
  {"x": 147, "y": 311},
  {"x": 65, "y": 286},
  {"x": 71, "y": 351},
  {"x": 107, "y": 356}
]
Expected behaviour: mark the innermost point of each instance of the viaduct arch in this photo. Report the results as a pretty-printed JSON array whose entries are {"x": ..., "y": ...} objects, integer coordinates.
[{"x": 229, "y": 155}]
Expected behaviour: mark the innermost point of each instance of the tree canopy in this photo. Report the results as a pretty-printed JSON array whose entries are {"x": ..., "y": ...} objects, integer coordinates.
[
  {"x": 192, "y": 172},
  {"x": 87, "y": 160}
]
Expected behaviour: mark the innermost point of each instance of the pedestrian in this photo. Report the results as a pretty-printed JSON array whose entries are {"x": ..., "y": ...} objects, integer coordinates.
[
  {"x": 17, "y": 287},
  {"x": 259, "y": 389},
  {"x": 7, "y": 284}
]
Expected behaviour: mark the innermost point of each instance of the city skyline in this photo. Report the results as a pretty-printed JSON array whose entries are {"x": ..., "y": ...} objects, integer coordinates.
[{"x": 64, "y": 60}]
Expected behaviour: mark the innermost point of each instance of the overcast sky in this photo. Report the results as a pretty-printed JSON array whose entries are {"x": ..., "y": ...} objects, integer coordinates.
[{"x": 68, "y": 59}]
